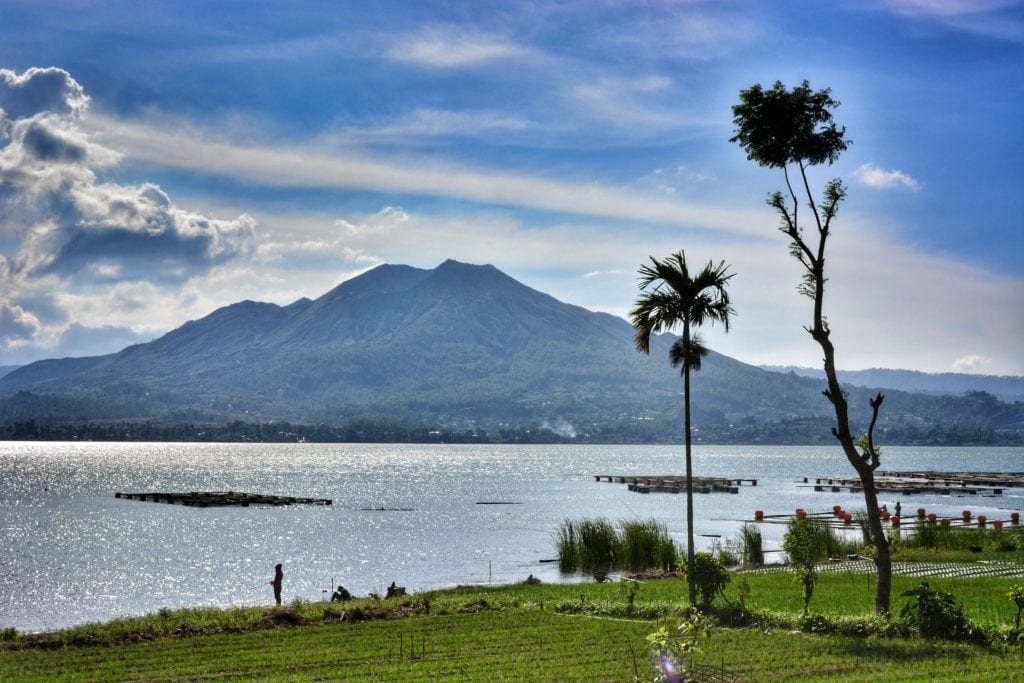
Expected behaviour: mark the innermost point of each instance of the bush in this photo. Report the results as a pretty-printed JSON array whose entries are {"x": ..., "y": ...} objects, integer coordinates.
[
  {"x": 802, "y": 544},
  {"x": 935, "y": 614},
  {"x": 710, "y": 576}
]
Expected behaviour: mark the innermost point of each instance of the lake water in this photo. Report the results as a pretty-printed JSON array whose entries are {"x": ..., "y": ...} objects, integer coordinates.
[{"x": 71, "y": 553}]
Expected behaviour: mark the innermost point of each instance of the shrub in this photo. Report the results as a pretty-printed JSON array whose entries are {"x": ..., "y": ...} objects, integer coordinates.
[
  {"x": 710, "y": 576},
  {"x": 935, "y": 614},
  {"x": 802, "y": 545},
  {"x": 1016, "y": 596}
]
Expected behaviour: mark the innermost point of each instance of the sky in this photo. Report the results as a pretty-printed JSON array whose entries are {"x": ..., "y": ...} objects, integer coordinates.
[{"x": 159, "y": 160}]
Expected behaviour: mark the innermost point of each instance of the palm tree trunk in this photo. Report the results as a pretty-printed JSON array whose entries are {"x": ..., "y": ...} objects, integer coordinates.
[{"x": 690, "y": 584}]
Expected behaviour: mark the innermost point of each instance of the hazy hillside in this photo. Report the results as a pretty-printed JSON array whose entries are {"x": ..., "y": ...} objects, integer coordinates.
[
  {"x": 459, "y": 345},
  {"x": 1007, "y": 388}
]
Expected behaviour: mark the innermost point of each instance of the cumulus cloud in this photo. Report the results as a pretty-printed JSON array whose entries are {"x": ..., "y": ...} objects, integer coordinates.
[
  {"x": 971, "y": 363},
  {"x": 878, "y": 178},
  {"x": 49, "y": 90},
  {"x": 70, "y": 229}
]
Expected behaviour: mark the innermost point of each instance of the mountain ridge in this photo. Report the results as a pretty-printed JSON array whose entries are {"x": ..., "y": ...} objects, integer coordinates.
[{"x": 461, "y": 345}]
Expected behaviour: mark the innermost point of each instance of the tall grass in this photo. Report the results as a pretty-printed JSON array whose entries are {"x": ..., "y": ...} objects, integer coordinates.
[
  {"x": 646, "y": 545},
  {"x": 597, "y": 545},
  {"x": 825, "y": 542},
  {"x": 940, "y": 537},
  {"x": 753, "y": 547}
]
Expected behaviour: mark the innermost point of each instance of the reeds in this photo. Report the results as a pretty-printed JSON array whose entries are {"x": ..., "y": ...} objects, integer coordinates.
[
  {"x": 597, "y": 545},
  {"x": 753, "y": 548},
  {"x": 825, "y": 542}
]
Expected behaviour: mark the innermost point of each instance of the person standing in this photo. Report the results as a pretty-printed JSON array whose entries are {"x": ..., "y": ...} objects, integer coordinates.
[{"x": 276, "y": 583}]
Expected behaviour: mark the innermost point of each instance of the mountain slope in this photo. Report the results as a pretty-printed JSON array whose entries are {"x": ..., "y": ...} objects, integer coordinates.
[{"x": 460, "y": 345}]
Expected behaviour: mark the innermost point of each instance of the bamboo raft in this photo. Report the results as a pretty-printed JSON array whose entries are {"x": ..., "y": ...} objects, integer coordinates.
[
  {"x": 221, "y": 499},
  {"x": 672, "y": 483}
]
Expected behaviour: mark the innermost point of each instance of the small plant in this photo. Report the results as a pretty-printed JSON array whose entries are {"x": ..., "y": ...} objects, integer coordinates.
[
  {"x": 710, "y": 576},
  {"x": 936, "y": 614},
  {"x": 802, "y": 545},
  {"x": 673, "y": 653},
  {"x": 753, "y": 549},
  {"x": 1016, "y": 596}
]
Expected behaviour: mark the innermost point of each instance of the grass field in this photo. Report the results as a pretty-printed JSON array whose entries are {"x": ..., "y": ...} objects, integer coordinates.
[{"x": 541, "y": 632}]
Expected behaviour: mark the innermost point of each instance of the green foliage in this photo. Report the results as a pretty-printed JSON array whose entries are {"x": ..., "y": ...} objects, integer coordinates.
[
  {"x": 673, "y": 652},
  {"x": 802, "y": 544},
  {"x": 778, "y": 127},
  {"x": 709, "y": 576},
  {"x": 936, "y": 614},
  {"x": 1016, "y": 596}
]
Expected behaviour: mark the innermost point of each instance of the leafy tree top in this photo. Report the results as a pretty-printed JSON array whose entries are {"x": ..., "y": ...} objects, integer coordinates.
[{"x": 778, "y": 126}]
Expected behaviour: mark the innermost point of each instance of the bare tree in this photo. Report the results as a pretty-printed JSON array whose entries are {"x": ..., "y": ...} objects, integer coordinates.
[{"x": 793, "y": 130}]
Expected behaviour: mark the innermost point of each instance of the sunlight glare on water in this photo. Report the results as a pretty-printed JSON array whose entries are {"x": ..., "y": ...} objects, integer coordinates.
[{"x": 71, "y": 553}]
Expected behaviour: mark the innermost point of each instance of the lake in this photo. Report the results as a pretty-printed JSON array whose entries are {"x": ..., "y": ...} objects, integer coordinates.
[{"x": 71, "y": 553}]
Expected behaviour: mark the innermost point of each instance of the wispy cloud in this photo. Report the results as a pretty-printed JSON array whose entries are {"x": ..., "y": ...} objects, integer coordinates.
[
  {"x": 425, "y": 125},
  {"x": 993, "y": 18},
  {"x": 307, "y": 166},
  {"x": 452, "y": 47},
  {"x": 880, "y": 179}
]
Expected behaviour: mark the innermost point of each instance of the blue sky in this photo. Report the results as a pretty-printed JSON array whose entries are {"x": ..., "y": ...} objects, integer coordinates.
[{"x": 161, "y": 159}]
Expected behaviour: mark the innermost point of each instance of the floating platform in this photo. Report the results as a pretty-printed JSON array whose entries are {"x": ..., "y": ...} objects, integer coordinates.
[
  {"x": 920, "y": 483},
  {"x": 672, "y": 483},
  {"x": 221, "y": 498}
]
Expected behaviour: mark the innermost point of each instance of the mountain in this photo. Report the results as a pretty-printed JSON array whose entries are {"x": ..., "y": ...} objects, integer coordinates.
[
  {"x": 1003, "y": 387},
  {"x": 6, "y": 369},
  {"x": 460, "y": 346}
]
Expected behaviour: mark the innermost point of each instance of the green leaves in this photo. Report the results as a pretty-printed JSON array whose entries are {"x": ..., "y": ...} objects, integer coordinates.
[{"x": 777, "y": 127}]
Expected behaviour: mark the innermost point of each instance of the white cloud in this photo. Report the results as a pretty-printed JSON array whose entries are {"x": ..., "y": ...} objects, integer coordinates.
[
  {"x": 64, "y": 230},
  {"x": 970, "y": 364},
  {"x": 39, "y": 90},
  {"x": 880, "y": 179}
]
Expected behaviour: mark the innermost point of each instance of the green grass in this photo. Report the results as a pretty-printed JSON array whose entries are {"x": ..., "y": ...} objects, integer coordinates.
[{"x": 519, "y": 632}]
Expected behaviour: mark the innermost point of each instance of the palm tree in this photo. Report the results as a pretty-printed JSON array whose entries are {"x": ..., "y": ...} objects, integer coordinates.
[{"x": 671, "y": 298}]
